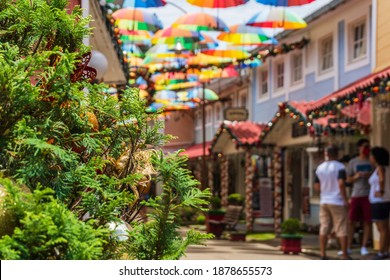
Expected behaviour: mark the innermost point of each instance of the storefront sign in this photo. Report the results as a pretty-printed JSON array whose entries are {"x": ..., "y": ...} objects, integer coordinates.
[{"x": 236, "y": 114}]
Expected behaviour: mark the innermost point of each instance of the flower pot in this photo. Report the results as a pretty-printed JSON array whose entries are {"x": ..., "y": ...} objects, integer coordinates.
[
  {"x": 237, "y": 236},
  {"x": 216, "y": 215},
  {"x": 291, "y": 243}
]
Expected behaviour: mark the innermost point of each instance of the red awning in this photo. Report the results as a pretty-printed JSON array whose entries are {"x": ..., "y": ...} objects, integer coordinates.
[
  {"x": 369, "y": 80},
  {"x": 196, "y": 150},
  {"x": 246, "y": 132}
]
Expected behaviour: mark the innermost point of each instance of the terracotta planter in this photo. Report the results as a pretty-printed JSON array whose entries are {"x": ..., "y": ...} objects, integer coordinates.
[
  {"x": 237, "y": 236},
  {"x": 291, "y": 244},
  {"x": 215, "y": 229}
]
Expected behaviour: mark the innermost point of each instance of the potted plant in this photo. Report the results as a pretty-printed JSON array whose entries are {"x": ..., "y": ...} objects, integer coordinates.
[
  {"x": 235, "y": 199},
  {"x": 215, "y": 213},
  {"x": 291, "y": 239}
]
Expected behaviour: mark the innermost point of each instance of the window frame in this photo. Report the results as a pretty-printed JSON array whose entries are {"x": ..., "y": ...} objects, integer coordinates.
[
  {"x": 321, "y": 56},
  {"x": 294, "y": 67}
]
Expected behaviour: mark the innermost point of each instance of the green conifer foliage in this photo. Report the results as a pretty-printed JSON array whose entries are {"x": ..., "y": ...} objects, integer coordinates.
[{"x": 85, "y": 157}]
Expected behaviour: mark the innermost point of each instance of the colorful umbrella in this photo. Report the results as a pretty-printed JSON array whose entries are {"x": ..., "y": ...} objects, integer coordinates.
[
  {"x": 200, "y": 22},
  {"x": 217, "y": 3},
  {"x": 135, "y": 19},
  {"x": 207, "y": 43},
  {"x": 132, "y": 50},
  {"x": 277, "y": 18},
  {"x": 203, "y": 59},
  {"x": 165, "y": 94},
  {"x": 136, "y": 37},
  {"x": 233, "y": 54},
  {"x": 284, "y": 3},
  {"x": 196, "y": 94},
  {"x": 177, "y": 85},
  {"x": 163, "y": 51},
  {"x": 143, "y": 3},
  {"x": 172, "y": 35},
  {"x": 245, "y": 38}
]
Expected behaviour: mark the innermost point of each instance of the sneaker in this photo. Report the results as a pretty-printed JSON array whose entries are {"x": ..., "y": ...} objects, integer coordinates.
[
  {"x": 364, "y": 251},
  {"x": 340, "y": 253}
]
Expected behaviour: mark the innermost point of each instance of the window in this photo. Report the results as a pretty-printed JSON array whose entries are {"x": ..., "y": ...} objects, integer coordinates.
[
  {"x": 326, "y": 54},
  {"x": 208, "y": 115},
  {"x": 263, "y": 83},
  {"x": 218, "y": 115},
  {"x": 243, "y": 100},
  {"x": 358, "y": 40},
  {"x": 297, "y": 63},
  {"x": 280, "y": 75}
]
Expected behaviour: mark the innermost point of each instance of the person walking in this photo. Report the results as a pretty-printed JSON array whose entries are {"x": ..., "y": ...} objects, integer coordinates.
[
  {"x": 330, "y": 180},
  {"x": 380, "y": 198},
  {"x": 359, "y": 170}
]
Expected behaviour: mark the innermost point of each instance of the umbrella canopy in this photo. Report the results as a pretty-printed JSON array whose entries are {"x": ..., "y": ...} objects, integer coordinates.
[
  {"x": 143, "y": 3},
  {"x": 203, "y": 59},
  {"x": 245, "y": 38},
  {"x": 284, "y": 3},
  {"x": 173, "y": 35},
  {"x": 177, "y": 85},
  {"x": 217, "y": 3},
  {"x": 135, "y": 19},
  {"x": 200, "y": 22},
  {"x": 233, "y": 54},
  {"x": 165, "y": 94},
  {"x": 207, "y": 43},
  {"x": 277, "y": 18},
  {"x": 132, "y": 50},
  {"x": 163, "y": 51},
  {"x": 196, "y": 94}
]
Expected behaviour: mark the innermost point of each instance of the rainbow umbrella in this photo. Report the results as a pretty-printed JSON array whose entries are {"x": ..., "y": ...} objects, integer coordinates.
[
  {"x": 177, "y": 85},
  {"x": 135, "y": 19},
  {"x": 284, "y": 3},
  {"x": 132, "y": 50},
  {"x": 136, "y": 37},
  {"x": 173, "y": 35},
  {"x": 165, "y": 94},
  {"x": 163, "y": 51},
  {"x": 217, "y": 3},
  {"x": 143, "y": 3},
  {"x": 196, "y": 94},
  {"x": 245, "y": 38},
  {"x": 227, "y": 53},
  {"x": 200, "y": 22},
  {"x": 203, "y": 59},
  {"x": 135, "y": 61},
  {"x": 277, "y": 18}
]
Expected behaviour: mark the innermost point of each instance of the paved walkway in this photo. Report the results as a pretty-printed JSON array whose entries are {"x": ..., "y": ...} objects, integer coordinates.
[{"x": 224, "y": 249}]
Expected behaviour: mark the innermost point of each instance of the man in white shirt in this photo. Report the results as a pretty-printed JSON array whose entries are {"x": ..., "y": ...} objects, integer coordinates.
[{"x": 330, "y": 179}]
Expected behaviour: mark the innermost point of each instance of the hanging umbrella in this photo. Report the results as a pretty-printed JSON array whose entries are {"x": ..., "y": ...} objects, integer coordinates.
[
  {"x": 143, "y": 3},
  {"x": 163, "y": 51},
  {"x": 245, "y": 38},
  {"x": 132, "y": 50},
  {"x": 177, "y": 85},
  {"x": 203, "y": 59},
  {"x": 277, "y": 18},
  {"x": 200, "y": 22},
  {"x": 136, "y": 37},
  {"x": 207, "y": 43},
  {"x": 135, "y": 19},
  {"x": 165, "y": 94},
  {"x": 196, "y": 94},
  {"x": 217, "y": 3},
  {"x": 227, "y": 53},
  {"x": 135, "y": 62},
  {"x": 172, "y": 35},
  {"x": 284, "y": 3}
]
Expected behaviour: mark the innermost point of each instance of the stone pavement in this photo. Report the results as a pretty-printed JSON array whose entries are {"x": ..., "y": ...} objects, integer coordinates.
[{"x": 224, "y": 249}]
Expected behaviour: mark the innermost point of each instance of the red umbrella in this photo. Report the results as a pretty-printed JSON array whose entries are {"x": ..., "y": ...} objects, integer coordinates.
[
  {"x": 200, "y": 22},
  {"x": 217, "y": 3}
]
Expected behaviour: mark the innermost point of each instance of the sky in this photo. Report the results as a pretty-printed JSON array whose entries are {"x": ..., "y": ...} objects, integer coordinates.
[{"x": 231, "y": 16}]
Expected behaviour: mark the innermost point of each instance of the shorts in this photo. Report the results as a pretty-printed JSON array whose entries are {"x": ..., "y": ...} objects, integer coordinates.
[
  {"x": 360, "y": 209},
  {"x": 333, "y": 217},
  {"x": 380, "y": 211}
]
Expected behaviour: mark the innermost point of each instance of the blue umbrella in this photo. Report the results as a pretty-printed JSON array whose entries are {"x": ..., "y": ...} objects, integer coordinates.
[
  {"x": 143, "y": 3},
  {"x": 285, "y": 3}
]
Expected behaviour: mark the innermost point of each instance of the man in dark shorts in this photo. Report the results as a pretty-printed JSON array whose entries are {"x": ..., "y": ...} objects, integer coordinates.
[{"x": 359, "y": 170}]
